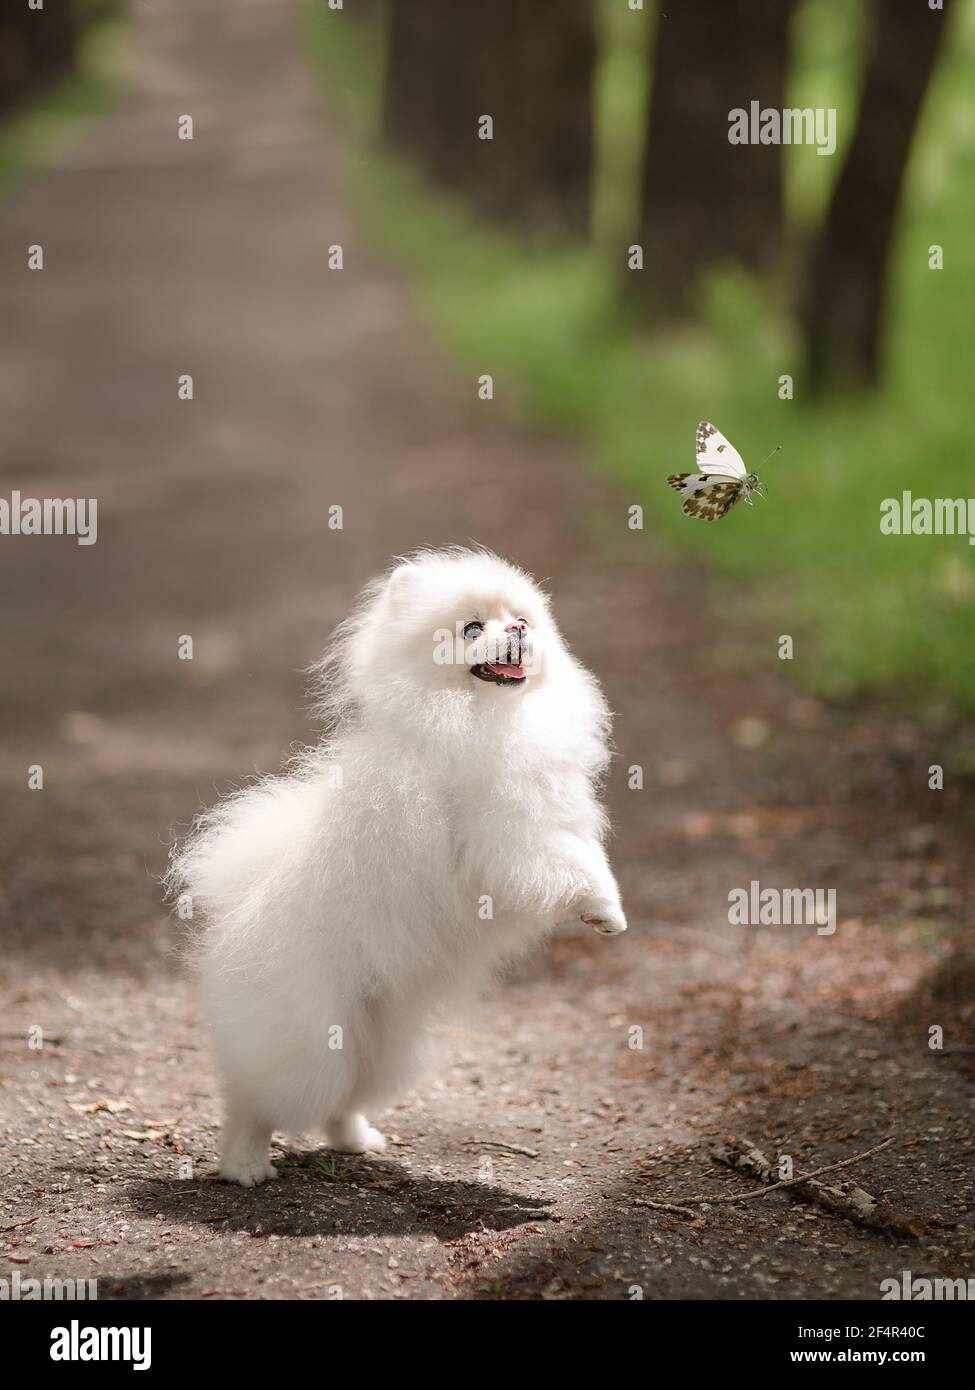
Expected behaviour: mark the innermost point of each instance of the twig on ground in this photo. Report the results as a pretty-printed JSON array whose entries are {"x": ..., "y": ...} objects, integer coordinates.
[
  {"x": 51, "y": 1038},
  {"x": 753, "y": 1154},
  {"x": 846, "y": 1200},
  {"x": 497, "y": 1144}
]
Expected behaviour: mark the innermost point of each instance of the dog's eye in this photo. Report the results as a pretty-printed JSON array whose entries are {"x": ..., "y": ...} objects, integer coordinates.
[{"x": 473, "y": 629}]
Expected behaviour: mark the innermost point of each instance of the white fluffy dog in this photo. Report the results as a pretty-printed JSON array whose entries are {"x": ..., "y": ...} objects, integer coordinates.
[{"x": 446, "y": 822}]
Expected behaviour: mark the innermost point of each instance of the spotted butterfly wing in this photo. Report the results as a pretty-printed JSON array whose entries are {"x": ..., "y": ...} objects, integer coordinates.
[
  {"x": 707, "y": 497},
  {"x": 716, "y": 455}
]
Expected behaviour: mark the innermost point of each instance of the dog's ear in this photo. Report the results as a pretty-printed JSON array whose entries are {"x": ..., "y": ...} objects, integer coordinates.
[{"x": 399, "y": 584}]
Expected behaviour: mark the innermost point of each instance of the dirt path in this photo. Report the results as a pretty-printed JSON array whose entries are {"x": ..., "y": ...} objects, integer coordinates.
[{"x": 315, "y": 388}]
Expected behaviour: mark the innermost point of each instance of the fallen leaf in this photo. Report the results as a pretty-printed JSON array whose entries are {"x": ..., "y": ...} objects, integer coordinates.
[{"x": 114, "y": 1107}]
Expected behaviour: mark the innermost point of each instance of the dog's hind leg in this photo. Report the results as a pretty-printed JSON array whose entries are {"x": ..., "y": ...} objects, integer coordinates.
[
  {"x": 383, "y": 1059},
  {"x": 245, "y": 1156},
  {"x": 351, "y": 1133}
]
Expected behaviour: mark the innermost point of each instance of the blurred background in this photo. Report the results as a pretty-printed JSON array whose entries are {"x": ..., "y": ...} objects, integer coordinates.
[
  {"x": 759, "y": 263},
  {"x": 627, "y": 270}
]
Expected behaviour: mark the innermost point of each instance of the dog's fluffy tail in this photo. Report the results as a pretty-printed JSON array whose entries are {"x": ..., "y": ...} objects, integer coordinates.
[{"x": 236, "y": 859}]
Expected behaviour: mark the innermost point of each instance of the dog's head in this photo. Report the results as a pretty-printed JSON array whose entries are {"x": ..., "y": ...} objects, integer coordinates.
[
  {"x": 444, "y": 632},
  {"x": 465, "y": 621},
  {"x": 460, "y": 645}
]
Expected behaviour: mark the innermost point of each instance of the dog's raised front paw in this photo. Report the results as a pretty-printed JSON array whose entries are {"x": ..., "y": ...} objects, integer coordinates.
[{"x": 606, "y": 918}]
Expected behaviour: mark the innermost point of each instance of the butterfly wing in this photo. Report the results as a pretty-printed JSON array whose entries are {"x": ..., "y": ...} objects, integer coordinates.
[
  {"x": 685, "y": 483},
  {"x": 712, "y": 498},
  {"x": 716, "y": 455}
]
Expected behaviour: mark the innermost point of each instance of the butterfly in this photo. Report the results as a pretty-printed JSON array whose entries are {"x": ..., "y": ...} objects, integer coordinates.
[{"x": 722, "y": 480}]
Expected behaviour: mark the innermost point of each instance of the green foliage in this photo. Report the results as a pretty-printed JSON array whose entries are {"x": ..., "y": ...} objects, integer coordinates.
[
  {"x": 329, "y": 1170},
  {"x": 36, "y": 136},
  {"x": 889, "y": 615}
]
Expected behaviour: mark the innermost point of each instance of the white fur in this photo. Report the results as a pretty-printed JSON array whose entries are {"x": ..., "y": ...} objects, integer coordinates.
[{"x": 360, "y": 906}]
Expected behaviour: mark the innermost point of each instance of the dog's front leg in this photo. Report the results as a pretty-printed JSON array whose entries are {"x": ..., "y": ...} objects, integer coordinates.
[{"x": 595, "y": 897}]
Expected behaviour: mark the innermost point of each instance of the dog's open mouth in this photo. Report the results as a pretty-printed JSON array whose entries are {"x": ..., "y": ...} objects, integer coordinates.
[{"x": 499, "y": 673}]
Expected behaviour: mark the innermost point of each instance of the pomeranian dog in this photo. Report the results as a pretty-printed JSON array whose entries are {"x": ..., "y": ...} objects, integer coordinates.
[{"x": 448, "y": 820}]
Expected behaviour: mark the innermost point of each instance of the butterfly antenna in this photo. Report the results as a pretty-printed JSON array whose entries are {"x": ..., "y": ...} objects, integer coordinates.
[{"x": 771, "y": 455}]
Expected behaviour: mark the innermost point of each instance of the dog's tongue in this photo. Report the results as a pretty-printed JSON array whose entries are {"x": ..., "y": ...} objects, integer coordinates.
[{"x": 503, "y": 668}]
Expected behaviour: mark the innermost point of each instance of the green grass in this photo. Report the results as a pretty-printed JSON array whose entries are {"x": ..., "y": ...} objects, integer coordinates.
[
  {"x": 889, "y": 616},
  {"x": 330, "y": 1171},
  {"x": 36, "y": 137}
]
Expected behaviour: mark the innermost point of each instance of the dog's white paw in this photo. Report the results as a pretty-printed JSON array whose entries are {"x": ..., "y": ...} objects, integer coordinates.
[
  {"x": 247, "y": 1169},
  {"x": 373, "y": 1141},
  {"x": 352, "y": 1134},
  {"x": 605, "y": 918}
]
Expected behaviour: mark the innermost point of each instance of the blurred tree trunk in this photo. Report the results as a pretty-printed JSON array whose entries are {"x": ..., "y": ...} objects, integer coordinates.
[
  {"x": 14, "y": 57},
  {"x": 429, "y": 111},
  {"x": 369, "y": 11},
  {"x": 705, "y": 201},
  {"x": 843, "y": 308},
  {"x": 536, "y": 81},
  {"x": 36, "y": 48},
  {"x": 55, "y": 45},
  {"x": 528, "y": 64}
]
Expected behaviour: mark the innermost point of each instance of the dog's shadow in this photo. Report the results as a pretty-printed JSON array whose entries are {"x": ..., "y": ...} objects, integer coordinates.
[{"x": 323, "y": 1193}]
